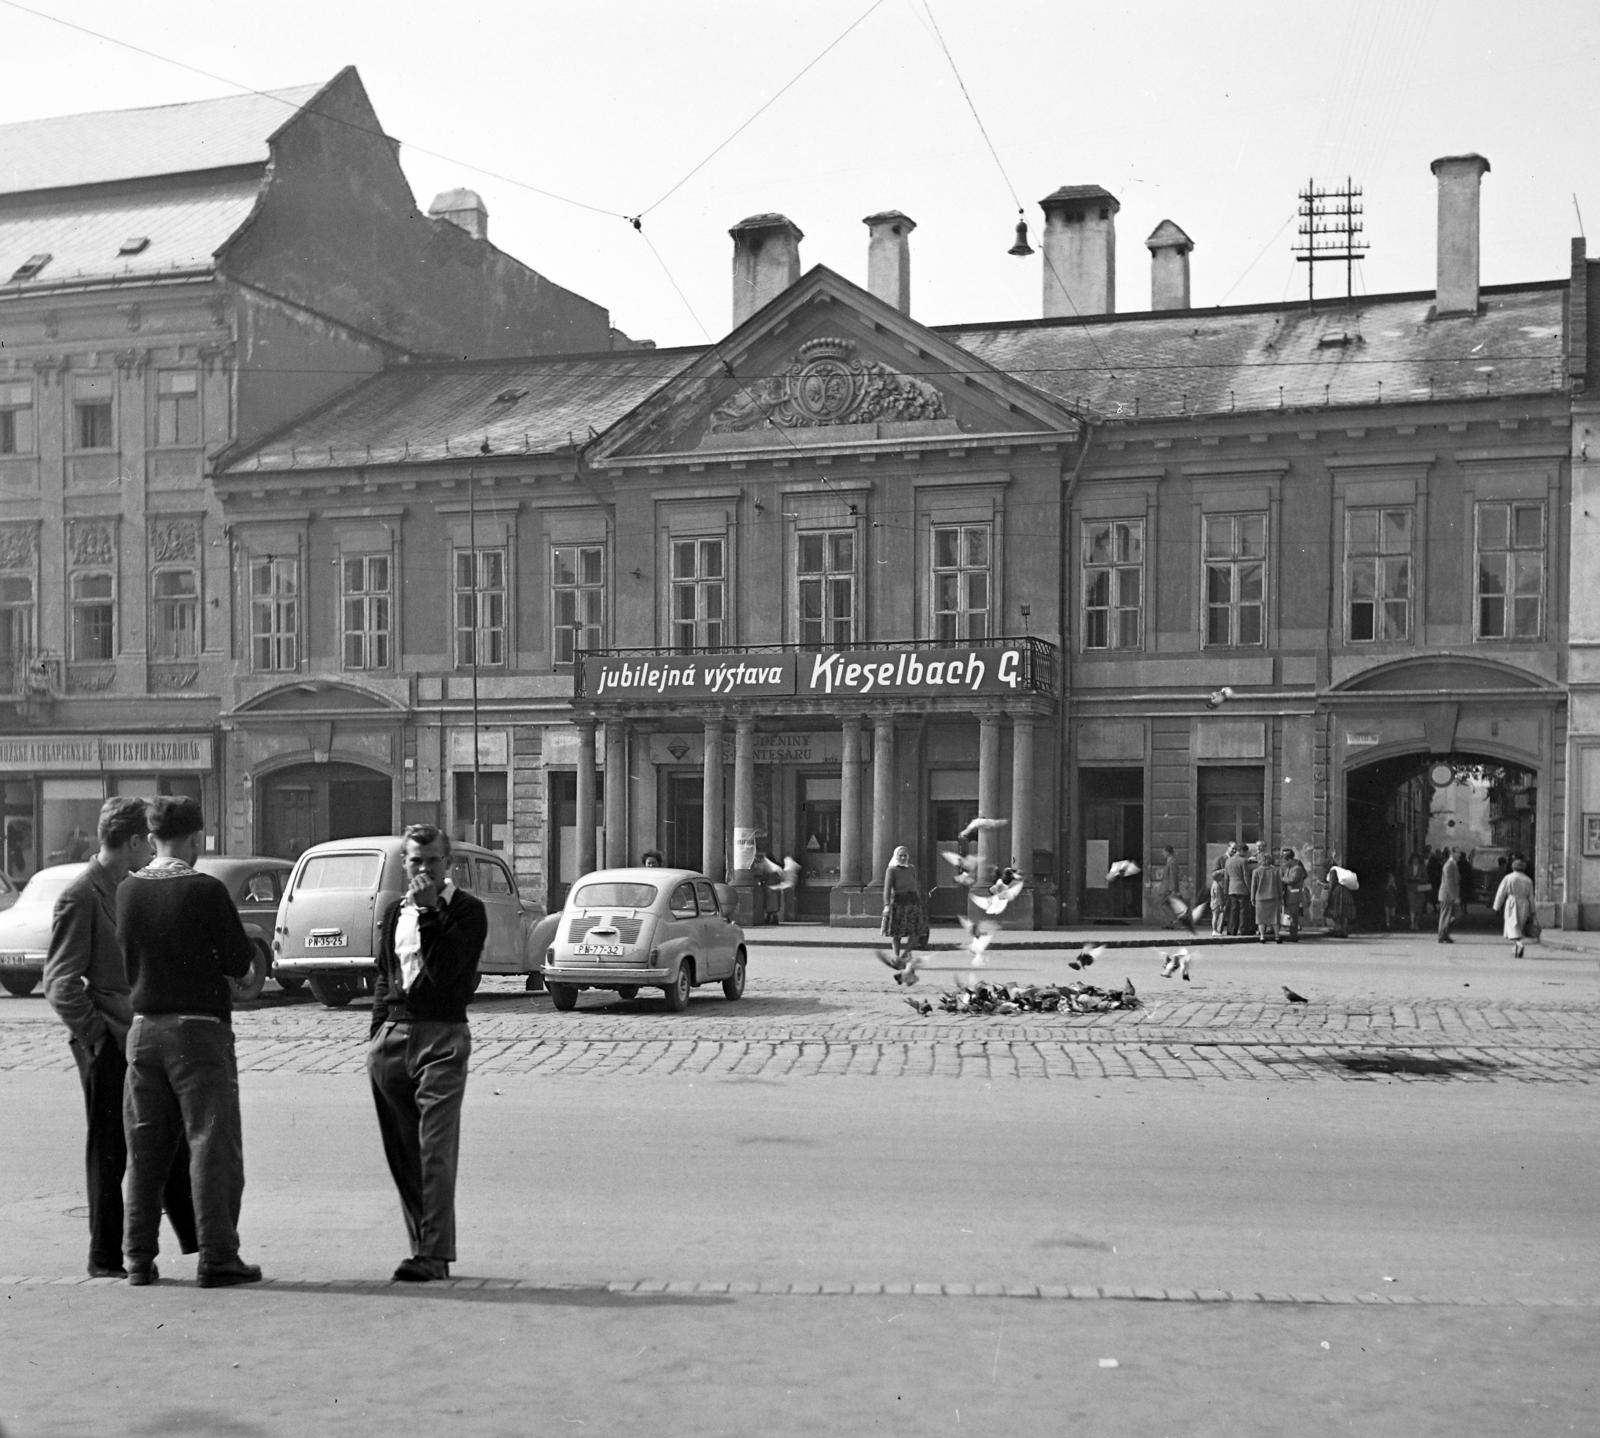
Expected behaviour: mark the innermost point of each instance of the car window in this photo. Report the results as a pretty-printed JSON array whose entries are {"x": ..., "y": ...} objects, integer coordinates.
[
  {"x": 461, "y": 871},
  {"x": 707, "y": 896},
  {"x": 262, "y": 888},
  {"x": 493, "y": 878},
  {"x": 613, "y": 896},
  {"x": 683, "y": 905},
  {"x": 341, "y": 871}
]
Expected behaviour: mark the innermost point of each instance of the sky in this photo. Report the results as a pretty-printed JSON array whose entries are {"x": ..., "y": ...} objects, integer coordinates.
[{"x": 570, "y": 119}]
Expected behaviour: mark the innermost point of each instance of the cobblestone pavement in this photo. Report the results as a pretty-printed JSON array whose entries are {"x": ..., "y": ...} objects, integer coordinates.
[{"x": 802, "y": 1028}]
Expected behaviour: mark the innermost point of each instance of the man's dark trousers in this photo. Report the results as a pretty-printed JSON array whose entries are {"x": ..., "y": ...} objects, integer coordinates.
[
  {"x": 418, "y": 1071},
  {"x": 106, "y": 1158}
]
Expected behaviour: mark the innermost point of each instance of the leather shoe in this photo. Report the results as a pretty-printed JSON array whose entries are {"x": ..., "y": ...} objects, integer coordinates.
[
  {"x": 106, "y": 1270},
  {"x": 143, "y": 1274},
  {"x": 422, "y": 1270},
  {"x": 227, "y": 1275}
]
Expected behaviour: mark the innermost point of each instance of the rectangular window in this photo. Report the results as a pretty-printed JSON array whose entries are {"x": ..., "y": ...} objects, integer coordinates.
[
  {"x": 274, "y": 613},
  {"x": 176, "y": 602},
  {"x": 480, "y": 607},
  {"x": 697, "y": 593},
  {"x": 961, "y": 581},
  {"x": 1113, "y": 584},
  {"x": 577, "y": 599},
  {"x": 1510, "y": 570},
  {"x": 94, "y": 615},
  {"x": 825, "y": 570},
  {"x": 16, "y": 418},
  {"x": 367, "y": 606},
  {"x": 177, "y": 407},
  {"x": 1377, "y": 546},
  {"x": 1236, "y": 579},
  {"x": 16, "y": 627},
  {"x": 481, "y": 811},
  {"x": 91, "y": 412}
]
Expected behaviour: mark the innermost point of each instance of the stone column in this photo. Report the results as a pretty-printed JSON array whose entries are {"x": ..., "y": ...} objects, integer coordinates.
[
  {"x": 617, "y": 856},
  {"x": 884, "y": 839},
  {"x": 850, "y": 807},
  {"x": 713, "y": 843},
  {"x": 989, "y": 841},
  {"x": 744, "y": 796},
  {"x": 586, "y": 835},
  {"x": 1021, "y": 831}
]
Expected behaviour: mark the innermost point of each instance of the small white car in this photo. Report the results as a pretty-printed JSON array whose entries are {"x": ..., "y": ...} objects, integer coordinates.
[{"x": 632, "y": 929}]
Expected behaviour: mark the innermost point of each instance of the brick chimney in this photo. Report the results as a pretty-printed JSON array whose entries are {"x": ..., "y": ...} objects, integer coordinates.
[
  {"x": 1460, "y": 183},
  {"x": 766, "y": 261},
  {"x": 889, "y": 258},
  {"x": 1169, "y": 267},
  {"x": 464, "y": 209},
  {"x": 1080, "y": 251}
]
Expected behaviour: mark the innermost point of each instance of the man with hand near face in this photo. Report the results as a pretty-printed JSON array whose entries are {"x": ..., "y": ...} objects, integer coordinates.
[{"x": 429, "y": 944}]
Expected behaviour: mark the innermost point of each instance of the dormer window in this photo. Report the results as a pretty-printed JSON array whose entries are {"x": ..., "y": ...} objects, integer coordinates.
[
  {"x": 30, "y": 267},
  {"x": 134, "y": 245}
]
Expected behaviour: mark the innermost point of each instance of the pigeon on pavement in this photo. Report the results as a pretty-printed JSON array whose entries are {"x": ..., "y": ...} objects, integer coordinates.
[
  {"x": 905, "y": 969},
  {"x": 1087, "y": 957},
  {"x": 1293, "y": 997},
  {"x": 922, "y": 1006},
  {"x": 1128, "y": 993}
]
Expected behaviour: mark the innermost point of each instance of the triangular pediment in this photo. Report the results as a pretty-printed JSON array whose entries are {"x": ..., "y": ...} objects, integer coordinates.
[{"x": 828, "y": 365}]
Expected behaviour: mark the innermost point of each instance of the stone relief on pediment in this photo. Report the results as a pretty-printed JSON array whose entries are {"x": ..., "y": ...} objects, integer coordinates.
[{"x": 827, "y": 384}]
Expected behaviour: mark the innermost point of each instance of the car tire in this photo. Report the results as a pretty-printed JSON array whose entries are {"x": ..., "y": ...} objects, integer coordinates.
[
  {"x": 19, "y": 984},
  {"x": 563, "y": 996},
  {"x": 628, "y": 991},
  {"x": 677, "y": 992},
  {"x": 290, "y": 983},
  {"x": 251, "y": 985},
  {"x": 733, "y": 985},
  {"x": 333, "y": 991}
]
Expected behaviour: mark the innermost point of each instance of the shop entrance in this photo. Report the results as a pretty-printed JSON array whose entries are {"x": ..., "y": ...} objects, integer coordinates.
[
  {"x": 819, "y": 811},
  {"x": 1415, "y": 806},
  {"x": 1113, "y": 828},
  {"x": 310, "y": 803}
]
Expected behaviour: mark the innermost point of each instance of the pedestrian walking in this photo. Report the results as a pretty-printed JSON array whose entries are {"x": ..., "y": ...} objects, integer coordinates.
[
  {"x": 429, "y": 943},
  {"x": 183, "y": 941},
  {"x": 1449, "y": 894},
  {"x": 86, "y": 982},
  {"x": 1391, "y": 900},
  {"x": 1294, "y": 893},
  {"x": 1266, "y": 894},
  {"x": 1421, "y": 889},
  {"x": 1340, "y": 908},
  {"x": 905, "y": 916},
  {"x": 1238, "y": 878},
  {"x": 1514, "y": 900}
]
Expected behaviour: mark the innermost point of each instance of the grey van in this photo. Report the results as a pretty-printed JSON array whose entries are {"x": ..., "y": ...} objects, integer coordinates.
[{"x": 327, "y": 928}]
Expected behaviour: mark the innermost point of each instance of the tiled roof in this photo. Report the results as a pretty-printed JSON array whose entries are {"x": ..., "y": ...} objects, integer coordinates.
[
  {"x": 111, "y": 145},
  {"x": 1378, "y": 350},
  {"x": 184, "y": 226},
  {"x": 417, "y": 413}
]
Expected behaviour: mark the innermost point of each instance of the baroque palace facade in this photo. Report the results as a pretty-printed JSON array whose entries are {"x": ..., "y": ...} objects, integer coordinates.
[{"x": 841, "y": 581}]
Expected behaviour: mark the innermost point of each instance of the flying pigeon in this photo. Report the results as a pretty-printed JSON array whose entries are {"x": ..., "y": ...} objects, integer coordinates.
[
  {"x": 1006, "y": 887},
  {"x": 905, "y": 969},
  {"x": 1087, "y": 957},
  {"x": 791, "y": 874},
  {"x": 965, "y": 865},
  {"x": 922, "y": 1006},
  {"x": 979, "y": 824},
  {"x": 1169, "y": 964},
  {"x": 1122, "y": 869},
  {"x": 979, "y": 936},
  {"x": 1182, "y": 956},
  {"x": 1293, "y": 997}
]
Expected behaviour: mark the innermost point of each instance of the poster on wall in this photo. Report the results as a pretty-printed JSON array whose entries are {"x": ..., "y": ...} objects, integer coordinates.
[{"x": 1097, "y": 861}]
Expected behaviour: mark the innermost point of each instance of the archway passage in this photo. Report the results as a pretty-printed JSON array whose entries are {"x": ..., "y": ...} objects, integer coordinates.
[
  {"x": 309, "y": 803},
  {"x": 1422, "y": 804}
]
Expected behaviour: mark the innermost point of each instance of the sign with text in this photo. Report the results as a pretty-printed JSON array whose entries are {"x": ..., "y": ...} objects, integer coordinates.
[
  {"x": 122, "y": 753},
  {"x": 823, "y": 673}
]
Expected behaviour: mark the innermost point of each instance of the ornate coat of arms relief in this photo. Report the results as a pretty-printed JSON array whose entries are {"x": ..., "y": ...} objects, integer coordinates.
[{"x": 827, "y": 385}]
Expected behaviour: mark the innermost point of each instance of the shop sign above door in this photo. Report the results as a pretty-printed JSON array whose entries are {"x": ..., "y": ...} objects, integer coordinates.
[
  {"x": 122, "y": 753},
  {"x": 826, "y": 673}
]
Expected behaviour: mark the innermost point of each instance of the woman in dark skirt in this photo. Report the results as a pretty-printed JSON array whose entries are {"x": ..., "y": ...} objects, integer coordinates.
[{"x": 905, "y": 920}]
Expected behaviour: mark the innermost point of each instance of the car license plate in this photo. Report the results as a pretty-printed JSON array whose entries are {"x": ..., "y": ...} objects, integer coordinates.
[
  {"x": 15, "y": 961},
  {"x": 332, "y": 940},
  {"x": 600, "y": 951}
]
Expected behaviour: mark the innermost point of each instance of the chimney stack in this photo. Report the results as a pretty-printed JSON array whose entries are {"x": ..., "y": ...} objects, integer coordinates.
[
  {"x": 889, "y": 258},
  {"x": 1169, "y": 267},
  {"x": 464, "y": 209},
  {"x": 1080, "y": 251},
  {"x": 766, "y": 261},
  {"x": 1460, "y": 181}
]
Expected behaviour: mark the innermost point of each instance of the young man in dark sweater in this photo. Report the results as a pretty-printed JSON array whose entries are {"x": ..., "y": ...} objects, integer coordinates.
[
  {"x": 182, "y": 940},
  {"x": 429, "y": 943}
]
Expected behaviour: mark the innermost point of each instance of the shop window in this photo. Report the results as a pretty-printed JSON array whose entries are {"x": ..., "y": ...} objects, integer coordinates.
[
  {"x": 69, "y": 811},
  {"x": 577, "y": 599},
  {"x": 1236, "y": 579},
  {"x": 697, "y": 593},
  {"x": 1510, "y": 570},
  {"x": 175, "y": 631},
  {"x": 1113, "y": 584},
  {"x": 16, "y": 418},
  {"x": 480, "y": 810},
  {"x": 274, "y": 613},
  {"x": 1378, "y": 574},
  {"x": 962, "y": 582},
  {"x": 825, "y": 576},
  {"x": 367, "y": 607},
  {"x": 94, "y": 616},
  {"x": 177, "y": 407},
  {"x": 91, "y": 412}
]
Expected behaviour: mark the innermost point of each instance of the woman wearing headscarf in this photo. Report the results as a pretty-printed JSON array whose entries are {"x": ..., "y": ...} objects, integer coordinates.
[
  {"x": 1340, "y": 907},
  {"x": 1514, "y": 898},
  {"x": 905, "y": 920}
]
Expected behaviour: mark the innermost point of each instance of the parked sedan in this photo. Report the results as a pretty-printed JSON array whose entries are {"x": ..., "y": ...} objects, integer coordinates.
[
  {"x": 632, "y": 929},
  {"x": 255, "y": 884}
]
